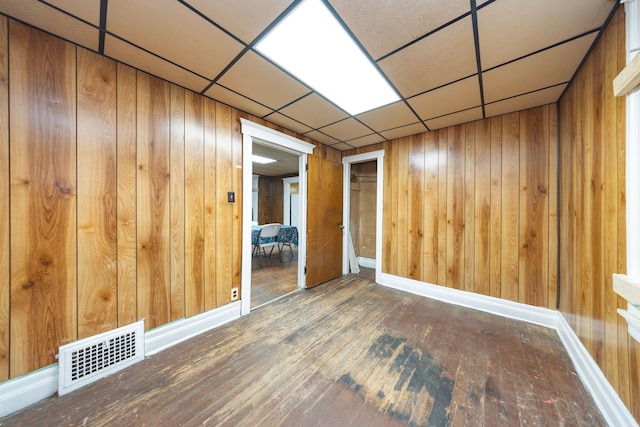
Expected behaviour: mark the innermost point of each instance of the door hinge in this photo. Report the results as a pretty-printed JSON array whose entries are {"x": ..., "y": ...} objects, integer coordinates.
[
  {"x": 306, "y": 167},
  {"x": 305, "y": 270}
]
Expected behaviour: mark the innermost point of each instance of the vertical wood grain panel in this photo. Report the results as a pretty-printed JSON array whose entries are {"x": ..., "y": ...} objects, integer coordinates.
[
  {"x": 510, "y": 205},
  {"x": 4, "y": 200},
  {"x": 236, "y": 141},
  {"x": 177, "y": 194},
  {"x": 455, "y": 208},
  {"x": 553, "y": 207},
  {"x": 482, "y": 217},
  {"x": 126, "y": 194},
  {"x": 43, "y": 197},
  {"x": 403, "y": 207},
  {"x": 224, "y": 209},
  {"x": 534, "y": 191},
  {"x": 393, "y": 202},
  {"x": 154, "y": 236},
  {"x": 495, "y": 270},
  {"x": 210, "y": 206},
  {"x": 469, "y": 205},
  {"x": 97, "y": 229},
  {"x": 194, "y": 204},
  {"x": 415, "y": 204},
  {"x": 442, "y": 141},
  {"x": 430, "y": 207}
]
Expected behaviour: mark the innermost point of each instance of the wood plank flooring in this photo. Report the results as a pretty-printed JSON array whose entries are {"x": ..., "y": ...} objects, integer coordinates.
[
  {"x": 347, "y": 353},
  {"x": 277, "y": 277}
]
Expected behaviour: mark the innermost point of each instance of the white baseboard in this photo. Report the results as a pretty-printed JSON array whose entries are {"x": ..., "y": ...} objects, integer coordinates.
[
  {"x": 607, "y": 400},
  {"x": 23, "y": 391},
  {"x": 28, "y": 389},
  {"x": 163, "y": 337},
  {"x": 366, "y": 262}
]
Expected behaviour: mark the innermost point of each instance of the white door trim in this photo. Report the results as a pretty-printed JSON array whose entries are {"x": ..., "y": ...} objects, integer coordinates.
[
  {"x": 279, "y": 140},
  {"x": 347, "y": 161}
]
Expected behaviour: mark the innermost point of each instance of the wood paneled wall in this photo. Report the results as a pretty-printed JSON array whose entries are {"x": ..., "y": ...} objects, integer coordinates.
[
  {"x": 593, "y": 215},
  {"x": 113, "y": 206},
  {"x": 270, "y": 199},
  {"x": 473, "y": 206}
]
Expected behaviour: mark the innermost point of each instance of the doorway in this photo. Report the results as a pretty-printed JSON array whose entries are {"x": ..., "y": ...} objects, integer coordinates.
[
  {"x": 267, "y": 137},
  {"x": 369, "y": 177}
]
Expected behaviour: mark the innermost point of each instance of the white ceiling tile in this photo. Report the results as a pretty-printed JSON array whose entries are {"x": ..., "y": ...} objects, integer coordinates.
[
  {"x": 346, "y": 129},
  {"x": 441, "y": 58},
  {"x": 509, "y": 29},
  {"x": 89, "y": 10},
  {"x": 51, "y": 20},
  {"x": 288, "y": 123},
  {"x": 228, "y": 97},
  {"x": 315, "y": 111},
  {"x": 535, "y": 72},
  {"x": 172, "y": 31},
  {"x": 447, "y": 99},
  {"x": 404, "y": 131},
  {"x": 388, "y": 117},
  {"x": 366, "y": 140},
  {"x": 320, "y": 137},
  {"x": 383, "y": 26},
  {"x": 257, "y": 79},
  {"x": 342, "y": 146},
  {"x": 130, "y": 55},
  {"x": 254, "y": 18},
  {"x": 455, "y": 119},
  {"x": 535, "y": 99}
]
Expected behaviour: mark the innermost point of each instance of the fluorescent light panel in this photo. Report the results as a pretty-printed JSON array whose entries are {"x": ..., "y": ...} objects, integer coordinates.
[
  {"x": 312, "y": 45},
  {"x": 261, "y": 160}
]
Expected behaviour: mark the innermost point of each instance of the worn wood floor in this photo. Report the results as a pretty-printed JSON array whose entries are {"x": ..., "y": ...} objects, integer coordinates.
[
  {"x": 277, "y": 277},
  {"x": 347, "y": 353}
]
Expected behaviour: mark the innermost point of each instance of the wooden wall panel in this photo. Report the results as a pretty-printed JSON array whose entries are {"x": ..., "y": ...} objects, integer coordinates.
[
  {"x": 4, "y": 200},
  {"x": 402, "y": 226},
  {"x": 194, "y": 204},
  {"x": 592, "y": 213},
  {"x": 42, "y": 93},
  {"x": 469, "y": 205},
  {"x": 415, "y": 222},
  {"x": 430, "y": 208},
  {"x": 224, "y": 209},
  {"x": 455, "y": 207},
  {"x": 96, "y": 171},
  {"x": 177, "y": 202},
  {"x": 482, "y": 217},
  {"x": 127, "y": 93},
  {"x": 442, "y": 142},
  {"x": 154, "y": 236},
  {"x": 210, "y": 205},
  {"x": 495, "y": 251}
]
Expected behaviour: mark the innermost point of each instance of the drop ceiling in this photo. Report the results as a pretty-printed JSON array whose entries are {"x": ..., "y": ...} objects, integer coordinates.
[{"x": 451, "y": 61}]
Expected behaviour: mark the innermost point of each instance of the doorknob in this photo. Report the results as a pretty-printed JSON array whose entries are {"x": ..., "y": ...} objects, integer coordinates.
[{"x": 341, "y": 226}]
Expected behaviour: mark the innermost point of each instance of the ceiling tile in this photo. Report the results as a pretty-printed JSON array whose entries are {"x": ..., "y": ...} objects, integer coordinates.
[
  {"x": 368, "y": 20},
  {"x": 226, "y": 96},
  {"x": 246, "y": 19},
  {"x": 288, "y": 123},
  {"x": 509, "y": 29},
  {"x": 320, "y": 137},
  {"x": 441, "y": 58},
  {"x": 530, "y": 100},
  {"x": 131, "y": 55},
  {"x": 346, "y": 129},
  {"x": 342, "y": 146},
  {"x": 89, "y": 10},
  {"x": 455, "y": 119},
  {"x": 48, "y": 19},
  {"x": 404, "y": 131},
  {"x": 535, "y": 72},
  {"x": 448, "y": 99},
  {"x": 172, "y": 31},
  {"x": 256, "y": 78},
  {"x": 388, "y": 117},
  {"x": 314, "y": 111},
  {"x": 374, "y": 138}
]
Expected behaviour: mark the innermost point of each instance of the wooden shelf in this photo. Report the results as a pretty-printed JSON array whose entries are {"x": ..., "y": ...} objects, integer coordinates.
[{"x": 628, "y": 79}]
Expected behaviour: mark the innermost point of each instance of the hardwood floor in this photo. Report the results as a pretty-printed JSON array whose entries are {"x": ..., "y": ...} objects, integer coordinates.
[
  {"x": 277, "y": 277},
  {"x": 347, "y": 353}
]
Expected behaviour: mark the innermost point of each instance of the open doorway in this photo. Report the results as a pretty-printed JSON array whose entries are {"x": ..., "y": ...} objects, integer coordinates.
[
  {"x": 362, "y": 210},
  {"x": 255, "y": 135},
  {"x": 274, "y": 269}
]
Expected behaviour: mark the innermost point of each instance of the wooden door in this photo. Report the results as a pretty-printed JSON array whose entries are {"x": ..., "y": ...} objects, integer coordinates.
[{"x": 324, "y": 213}]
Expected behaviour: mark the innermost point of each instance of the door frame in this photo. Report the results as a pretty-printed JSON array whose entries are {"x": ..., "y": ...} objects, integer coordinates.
[
  {"x": 253, "y": 132},
  {"x": 347, "y": 161},
  {"x": 286, "y": 200}
]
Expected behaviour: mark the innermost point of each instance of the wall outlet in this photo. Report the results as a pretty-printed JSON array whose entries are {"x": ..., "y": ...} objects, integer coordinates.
[{"x": 234, "y": 294}]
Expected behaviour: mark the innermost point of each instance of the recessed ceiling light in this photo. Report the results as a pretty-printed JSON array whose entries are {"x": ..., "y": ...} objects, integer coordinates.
[
  {"x": 261, "y": 160},
  {"x": 311, "y": 44}
]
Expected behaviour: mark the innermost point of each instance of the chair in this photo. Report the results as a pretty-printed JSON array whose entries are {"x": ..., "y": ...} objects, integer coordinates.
[{"x": 267, "y": 238}]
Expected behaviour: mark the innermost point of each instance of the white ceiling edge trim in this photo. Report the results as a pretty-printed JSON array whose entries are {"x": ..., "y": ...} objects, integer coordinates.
[{"x": 285, "y": 141}]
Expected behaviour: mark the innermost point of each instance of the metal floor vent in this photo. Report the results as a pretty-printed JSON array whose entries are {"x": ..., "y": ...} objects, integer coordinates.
[{"x": 90, "y": 359}]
